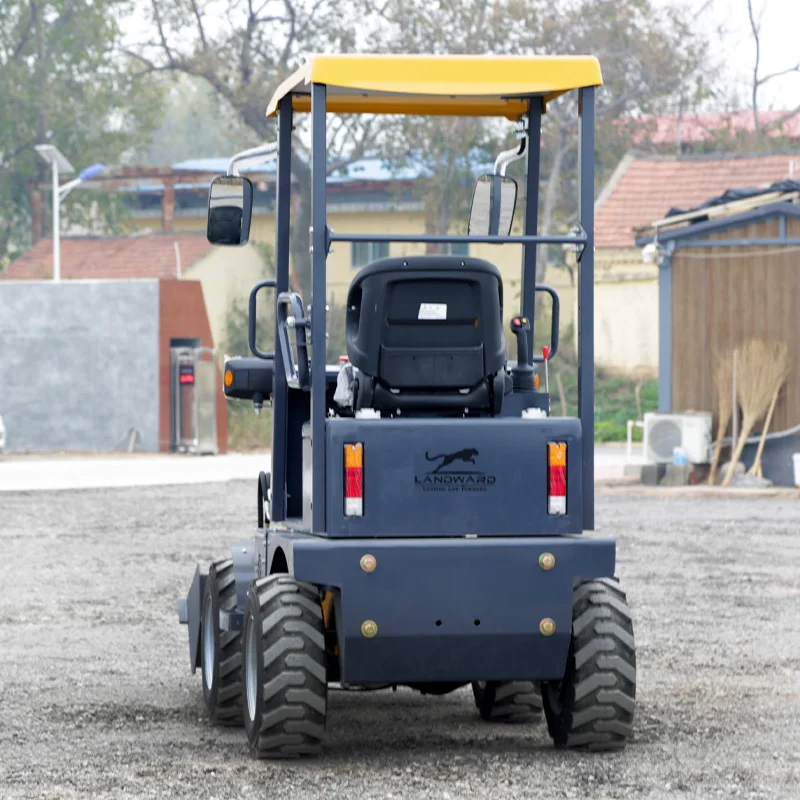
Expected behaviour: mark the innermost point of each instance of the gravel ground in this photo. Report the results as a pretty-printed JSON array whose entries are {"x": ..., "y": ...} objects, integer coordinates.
[{"x": 97, "y": 699}]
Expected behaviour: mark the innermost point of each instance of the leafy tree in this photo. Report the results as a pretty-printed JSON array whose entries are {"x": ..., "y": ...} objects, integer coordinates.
[
  {"x": 651, "y": 60},
  {"x": 197, "y": 122},
  {"x": 445, "y": 151},
  {"x": 63, "y": 80},
  {"x": 650, "y": 56},
  {"x": 243, "y": 49}
]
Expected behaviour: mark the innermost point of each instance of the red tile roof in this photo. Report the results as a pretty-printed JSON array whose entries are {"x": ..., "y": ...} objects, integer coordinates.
[
  {"x": 150, "y": 255},
  {"x": 697, "y": 128},
  {"x": 645, "y": 188}
]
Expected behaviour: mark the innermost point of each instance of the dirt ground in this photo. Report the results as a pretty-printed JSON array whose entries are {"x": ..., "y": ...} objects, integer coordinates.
[{"x": 98, "y": 701}]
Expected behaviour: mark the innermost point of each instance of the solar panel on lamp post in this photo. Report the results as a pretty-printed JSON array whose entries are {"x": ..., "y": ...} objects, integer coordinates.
[{"x": 60, "y": 164}]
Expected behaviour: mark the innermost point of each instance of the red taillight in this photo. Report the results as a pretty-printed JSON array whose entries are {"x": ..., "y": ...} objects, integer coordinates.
[
  {"x": 354, "y": 480},
  {"x": 557, "y": 478},
  {"x": 186, "y": 378}
]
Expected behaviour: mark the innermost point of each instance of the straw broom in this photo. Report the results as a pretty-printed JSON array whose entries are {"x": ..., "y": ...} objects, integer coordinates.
[
  {"x": 756, "y": 468},
  {"x": 723, "y": 375},
  {"x": 763, "y": 367}
]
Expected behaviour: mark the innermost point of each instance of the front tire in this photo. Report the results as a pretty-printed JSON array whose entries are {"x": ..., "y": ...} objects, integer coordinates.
[
  {"x": 220, "y": 652},
  {"x": 512, "y": 701},
  {"x": 285, "y": 680},
  {"x": 592, "y": 707}
]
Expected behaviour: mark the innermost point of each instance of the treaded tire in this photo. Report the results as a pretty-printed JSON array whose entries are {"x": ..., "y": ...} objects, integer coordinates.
[
  {"x": 592, "y": 707},
  {"x": 514, "y": 701},
  {"x": 220, "y": 651},
  {"x": 285, "y": 680}
]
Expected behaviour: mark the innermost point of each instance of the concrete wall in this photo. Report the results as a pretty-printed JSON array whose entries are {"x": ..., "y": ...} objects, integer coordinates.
[{"x": 79, "y": 363}]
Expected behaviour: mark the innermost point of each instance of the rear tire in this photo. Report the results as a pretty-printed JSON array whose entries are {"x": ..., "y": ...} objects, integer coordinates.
[
  {"x": 514, "y": 701},
  {"x": 285, "y": 681},
  {"x": 592, "y": 707},
  {"x": 220, "y": 651}
]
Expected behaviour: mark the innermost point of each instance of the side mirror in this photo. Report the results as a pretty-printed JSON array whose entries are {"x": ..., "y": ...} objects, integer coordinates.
[
  {"x": 230, "y": 207},
  {"x": 493, "y": 204}
]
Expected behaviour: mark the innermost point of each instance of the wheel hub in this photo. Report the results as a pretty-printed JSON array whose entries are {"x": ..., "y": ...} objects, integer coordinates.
[
  {"x": 209, "y": 644},
  {"x": 251, "y": 669}
]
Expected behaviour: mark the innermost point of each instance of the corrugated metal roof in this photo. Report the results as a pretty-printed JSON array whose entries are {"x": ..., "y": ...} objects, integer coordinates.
[
  {"x": 706, "y": 227},
  {"x": 369, "y": 170}
]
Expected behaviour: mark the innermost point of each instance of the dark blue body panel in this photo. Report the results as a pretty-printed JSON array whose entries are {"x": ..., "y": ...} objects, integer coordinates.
[
  {"x": 488, "y": 595},
  {"x": 453, "y": 477}
]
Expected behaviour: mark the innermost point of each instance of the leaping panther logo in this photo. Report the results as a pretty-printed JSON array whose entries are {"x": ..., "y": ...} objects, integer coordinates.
[{"x": 467, "y": 456}]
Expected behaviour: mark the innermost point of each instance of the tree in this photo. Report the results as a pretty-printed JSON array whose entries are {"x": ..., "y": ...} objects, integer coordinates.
[
  {"x": 650, "y": 57},
  {"x": 243, "y": 49},
  {"x": 62, "y": 79},
  {"x": 444, "y": 151},
  {"x": 760, "y": 80},
  {"x": 651, "y": 60},
  {"x": 185, "y": 129}
]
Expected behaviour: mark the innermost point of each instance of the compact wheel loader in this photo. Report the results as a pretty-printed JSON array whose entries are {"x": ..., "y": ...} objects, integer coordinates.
[{"x": 421, "y": 520}]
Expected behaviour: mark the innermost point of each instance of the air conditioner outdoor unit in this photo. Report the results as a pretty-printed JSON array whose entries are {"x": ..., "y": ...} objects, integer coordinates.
[{"x": 689, "y": 430}]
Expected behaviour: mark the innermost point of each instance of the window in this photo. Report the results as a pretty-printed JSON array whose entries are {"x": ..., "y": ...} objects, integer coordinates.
[
  {"x": 457, "y": 248},
  {"x": 365, "y": 252}
]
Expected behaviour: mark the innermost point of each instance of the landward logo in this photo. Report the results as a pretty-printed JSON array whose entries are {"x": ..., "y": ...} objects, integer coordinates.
[{"x": 452, "y": 473}]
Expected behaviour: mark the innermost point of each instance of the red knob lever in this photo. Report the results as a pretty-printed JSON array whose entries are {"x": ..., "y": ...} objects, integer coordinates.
[{"x": 546, "y": 353}]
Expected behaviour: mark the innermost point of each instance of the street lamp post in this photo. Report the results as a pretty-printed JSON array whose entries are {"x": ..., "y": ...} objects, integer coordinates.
[{"x": 59, "y": 163}]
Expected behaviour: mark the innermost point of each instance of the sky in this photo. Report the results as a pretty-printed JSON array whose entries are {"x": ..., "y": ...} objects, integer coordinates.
[{"x": 735, "y": 53}]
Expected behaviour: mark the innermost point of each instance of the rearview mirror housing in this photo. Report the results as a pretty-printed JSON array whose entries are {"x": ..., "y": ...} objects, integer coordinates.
[
  {"x": 493, "y": 204},
  {"x": 230, "y": 208}
]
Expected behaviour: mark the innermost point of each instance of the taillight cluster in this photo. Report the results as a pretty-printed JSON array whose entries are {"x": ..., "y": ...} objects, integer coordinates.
[
  {"x": 557, "y": 478},
  {"x": 354, "y": 480}
]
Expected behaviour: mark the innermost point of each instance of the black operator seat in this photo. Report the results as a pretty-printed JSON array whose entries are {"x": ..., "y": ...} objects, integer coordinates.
[{"x": 426, "y": 335}]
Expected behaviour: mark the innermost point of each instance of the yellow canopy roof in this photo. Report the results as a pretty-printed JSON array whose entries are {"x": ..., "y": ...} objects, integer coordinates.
[{"x": 454, "y": 85}]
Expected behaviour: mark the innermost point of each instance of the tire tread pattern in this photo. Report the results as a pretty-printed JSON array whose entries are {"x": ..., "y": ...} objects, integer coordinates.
[
  {"x": 596, "y": 706},
  {"x": 225, "y": 707},
  {"x": 290, "y": 717},
  {"x": 512, "y": 701}
]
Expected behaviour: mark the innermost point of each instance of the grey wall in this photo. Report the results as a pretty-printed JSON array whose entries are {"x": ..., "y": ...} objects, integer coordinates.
[{"x": 78, "y": 363}]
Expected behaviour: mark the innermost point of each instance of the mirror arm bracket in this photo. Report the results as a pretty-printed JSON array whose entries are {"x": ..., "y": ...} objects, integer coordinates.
[
  {"x": 510, "y": 156},
  {"x": 257, "y": 155},
  {"x": 577, "y": 230}
]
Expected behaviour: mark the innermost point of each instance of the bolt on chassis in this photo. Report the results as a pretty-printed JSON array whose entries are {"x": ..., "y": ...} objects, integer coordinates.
[{"x": 421, "y": 521}]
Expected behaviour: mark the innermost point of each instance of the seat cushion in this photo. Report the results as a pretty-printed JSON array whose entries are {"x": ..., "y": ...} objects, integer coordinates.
[{"x": 428, "y": 324}]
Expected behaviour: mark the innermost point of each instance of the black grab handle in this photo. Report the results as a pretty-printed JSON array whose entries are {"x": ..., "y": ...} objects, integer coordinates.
[
  {"x": 251, "y": 320},
  {"x": 541, "y": 287}
]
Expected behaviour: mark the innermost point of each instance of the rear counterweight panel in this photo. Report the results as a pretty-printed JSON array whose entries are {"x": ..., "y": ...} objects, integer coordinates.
[
  {"x": 451, "y": 477},
  {"x": 449, "y": 609}
]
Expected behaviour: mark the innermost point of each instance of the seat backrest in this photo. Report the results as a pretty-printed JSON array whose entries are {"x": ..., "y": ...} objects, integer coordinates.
[{"x": 432, "y": 322}]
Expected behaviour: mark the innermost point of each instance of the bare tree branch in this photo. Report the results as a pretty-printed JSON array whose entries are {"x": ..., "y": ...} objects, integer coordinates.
[
  {"x": 776, "y": 123},
  {"x": 160, "y": 26},
  {"x": 25, "y": 34},
  {"x": 200, "y": 30},
  {"x": 757, "y": 40},
  {"x": 778, "y": 74}
]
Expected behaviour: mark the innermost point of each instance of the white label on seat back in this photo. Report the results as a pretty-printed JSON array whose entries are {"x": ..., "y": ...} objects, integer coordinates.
[{"x": 432, "y": 311}]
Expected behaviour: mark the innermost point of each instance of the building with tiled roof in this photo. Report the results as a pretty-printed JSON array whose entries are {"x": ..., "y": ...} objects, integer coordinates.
[
  {"x": 146, "y": 255},
  {"x": 644, "y": 188}
]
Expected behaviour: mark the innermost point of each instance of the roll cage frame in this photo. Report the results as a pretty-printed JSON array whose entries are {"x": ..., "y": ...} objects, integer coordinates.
[{"x": 322, "y": 237}]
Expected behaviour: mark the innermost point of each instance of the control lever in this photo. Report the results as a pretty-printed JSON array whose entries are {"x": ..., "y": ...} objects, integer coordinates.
[
  {"x": 522, "y": 376},
  {"x": 546, "y": 358}
]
